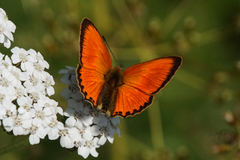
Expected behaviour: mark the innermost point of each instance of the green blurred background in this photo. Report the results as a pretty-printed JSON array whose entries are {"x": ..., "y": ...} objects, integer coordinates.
[{"x": 186, "y": 120}]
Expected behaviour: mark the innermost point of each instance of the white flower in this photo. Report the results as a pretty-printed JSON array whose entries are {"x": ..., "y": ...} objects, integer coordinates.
[
  {"x": 20, "y": 91},
  {"x": 6, "y": 29},
  {"x": 48, "y": 82},
  {"x": 7, "y": 113},
  {"x": 21, "y": 55},
  {"x": 18, "y": 74},
  {"x": 7, "y": 95},
  {"x": 8, "y": 80},
  {"x": 39, "y": 58},
  {"x": 25, "y": 105},
  {"x": 37, "y": 133},
  {"x": 53, "y": 105},
  {"x": 21, "y": 124},
  {"x": 65, "y": 140},
  {"x": 89, "y": 147},
  {"x": 114, "y": 122},
  {"x": 69, "y": 78},
  {"x": 78, "y": 115},
  {"x": 106, "y": 132},
  {"x": 7, "y": 63},
  {"x": 71, "y": 91},
  {"x": 24, "y": 82},
  {"x": 42, "y": 115},
  {"x": 53, "y": 128},
  {"x": 36, "y": 69},
  {"x": 32, "y": 81},
  {"x": 80, "y": 132}
]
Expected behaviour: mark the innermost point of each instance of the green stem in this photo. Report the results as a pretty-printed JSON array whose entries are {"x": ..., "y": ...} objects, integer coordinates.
[
  {"x": 191, "y": 80},
  {"x": 216, "y": 34},
  {"x": 156, "y": 126},
  {"x": 16, "y": 145},
  {"x": 121, "y": 145},
  {"x": 175, "y": 16}
]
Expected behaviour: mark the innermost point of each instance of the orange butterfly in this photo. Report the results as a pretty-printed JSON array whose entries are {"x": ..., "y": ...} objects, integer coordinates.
[{"x": 117, "y": 92}]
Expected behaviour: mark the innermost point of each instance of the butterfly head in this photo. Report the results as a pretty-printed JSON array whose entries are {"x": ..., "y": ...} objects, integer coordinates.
[{"x": 114, "y": 77}]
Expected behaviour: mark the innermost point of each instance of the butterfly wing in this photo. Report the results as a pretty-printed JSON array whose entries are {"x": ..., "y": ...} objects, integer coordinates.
[
  {"x": 141, "y": 82},
  {"x": 94, "y": 61}
]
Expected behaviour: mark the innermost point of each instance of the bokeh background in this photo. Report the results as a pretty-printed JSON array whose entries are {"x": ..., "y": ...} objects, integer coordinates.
[{"x": 195, "y": 117}]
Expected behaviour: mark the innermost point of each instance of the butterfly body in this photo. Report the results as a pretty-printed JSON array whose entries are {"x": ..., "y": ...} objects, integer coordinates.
[
  {"x": 108, "y": 95},
  {"x": 116, "y": 92}
]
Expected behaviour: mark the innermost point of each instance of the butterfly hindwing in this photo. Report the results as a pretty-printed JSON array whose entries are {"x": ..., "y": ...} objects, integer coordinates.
[
  {"x": 130, "y": 101},
  {"x": 141, "y": 82},
  {"x": 94, "y": 61}
]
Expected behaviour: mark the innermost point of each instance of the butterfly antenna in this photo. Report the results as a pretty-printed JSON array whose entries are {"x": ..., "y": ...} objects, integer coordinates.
[{"x": 109, "y": 48}]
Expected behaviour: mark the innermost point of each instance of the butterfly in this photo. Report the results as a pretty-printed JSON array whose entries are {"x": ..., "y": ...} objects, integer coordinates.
[{"x": 116, "y": 92}]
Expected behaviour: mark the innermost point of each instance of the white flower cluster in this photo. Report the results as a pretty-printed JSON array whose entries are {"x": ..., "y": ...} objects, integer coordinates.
[
  {"x": 86, "y": 127},
  {"x": 26, "y": 109},
  {"x": 6, "y": 29},
  {"x": 24, "y": 105}
]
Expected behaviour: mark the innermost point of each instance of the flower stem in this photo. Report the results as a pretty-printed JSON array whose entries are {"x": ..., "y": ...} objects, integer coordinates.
[
  {"x": 121, "y": 145},
  {"x": 14, "y": 146},
  {"x": 216, "y": 34},
  {"x": 175, "y": 16},
  {"x": 156, "y": 126}
]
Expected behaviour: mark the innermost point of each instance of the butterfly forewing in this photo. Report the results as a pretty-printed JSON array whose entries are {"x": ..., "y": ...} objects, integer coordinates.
[
  {"x": 94, "y": 61},
  {"x": 153, "y": 75}
]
